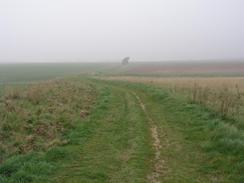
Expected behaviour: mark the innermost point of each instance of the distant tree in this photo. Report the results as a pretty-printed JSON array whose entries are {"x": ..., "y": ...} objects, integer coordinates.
[{"x": 125, "y": 61}]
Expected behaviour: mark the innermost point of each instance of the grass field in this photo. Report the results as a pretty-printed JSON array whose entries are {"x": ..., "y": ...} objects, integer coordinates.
[
  {"x": 215, "y": 83},
  {"x": 67, "y": 123},
  {"x": 221, "y": 94},
  {"x": 196, "y": 68},
  {"x": 20, "y": 73}
]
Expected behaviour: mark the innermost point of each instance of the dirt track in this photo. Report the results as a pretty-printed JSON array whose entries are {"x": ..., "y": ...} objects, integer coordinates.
[{"x": 158, "y": 160}]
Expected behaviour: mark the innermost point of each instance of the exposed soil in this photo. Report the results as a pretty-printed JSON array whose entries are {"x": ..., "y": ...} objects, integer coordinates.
[{"x": 159, "y": 163}]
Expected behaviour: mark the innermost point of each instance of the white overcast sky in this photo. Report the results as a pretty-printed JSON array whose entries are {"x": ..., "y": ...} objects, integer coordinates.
[{"x": 107, "y": 30}]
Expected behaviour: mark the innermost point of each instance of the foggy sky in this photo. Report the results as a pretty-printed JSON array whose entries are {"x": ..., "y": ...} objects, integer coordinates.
[{"x": 107, "y": 30}]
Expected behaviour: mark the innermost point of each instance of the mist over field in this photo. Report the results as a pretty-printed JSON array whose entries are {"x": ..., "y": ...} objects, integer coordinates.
[
  {"x": 125, "y": 91},
  {"x": 107, "y": 30}
]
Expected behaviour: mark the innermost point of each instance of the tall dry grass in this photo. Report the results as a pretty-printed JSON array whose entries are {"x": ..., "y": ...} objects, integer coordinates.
[
  {"x": 225, "y": 95},
  {"x": 227, "y": 102}
]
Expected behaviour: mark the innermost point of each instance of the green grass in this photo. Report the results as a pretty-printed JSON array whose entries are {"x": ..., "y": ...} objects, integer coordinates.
[
  {"x": 34, "y": 120},
  {"x": 202, "y": 147},
  {"x": 113, "y": 143},
  {"x": 115, "y": 146},
  {"x": 36, "y": 116}
]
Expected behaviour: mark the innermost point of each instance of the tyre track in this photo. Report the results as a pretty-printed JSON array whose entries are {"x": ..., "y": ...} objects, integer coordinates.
[{"x": 159, "y": 163}]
